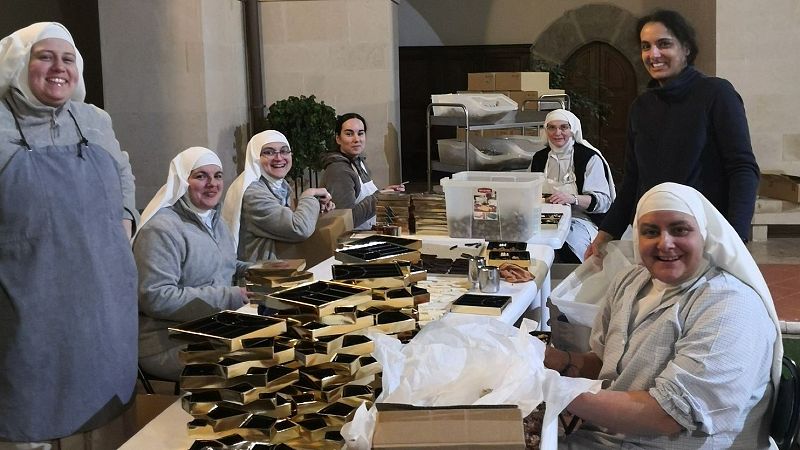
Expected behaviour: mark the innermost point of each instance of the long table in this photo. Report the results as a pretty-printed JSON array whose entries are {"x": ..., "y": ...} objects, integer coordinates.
[{"x": 168, "y": 430}]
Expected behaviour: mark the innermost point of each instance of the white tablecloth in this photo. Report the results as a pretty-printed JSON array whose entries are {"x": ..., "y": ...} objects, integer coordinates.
[{"x": 168, "y": 430}]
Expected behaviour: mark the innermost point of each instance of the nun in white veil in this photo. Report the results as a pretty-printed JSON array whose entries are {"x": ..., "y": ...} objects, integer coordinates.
[
  {"x": 186, "y": 258},
  {"x": 577, "y": 174},
  {"x": 260, "y": 206},
  {"x": 687, "y": 339}
]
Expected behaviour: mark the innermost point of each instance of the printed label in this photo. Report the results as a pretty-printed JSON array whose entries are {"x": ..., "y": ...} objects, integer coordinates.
[{"x": 484, "y": 206}]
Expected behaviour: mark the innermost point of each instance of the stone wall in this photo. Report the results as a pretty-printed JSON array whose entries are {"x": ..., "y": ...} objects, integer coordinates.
[
  {"x": 345, "y": 53},
  {"x": 173, "y": 77}
]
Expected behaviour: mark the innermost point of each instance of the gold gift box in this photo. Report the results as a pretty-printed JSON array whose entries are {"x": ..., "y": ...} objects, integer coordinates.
[
  {"x": 257, "y": 427},
  {"x": 379, "y": 252},
  {"x": 378, "y": 275},
  {"x": 220, "y": 419},
  {"x": 271, "y": 404},
  {"x": 352, "y": 394},
  {"x": 200, "y": 403},
  {"x": 521, "y": 258},
  {"x": 337, "y": 414},
  {"x": 202, "y": 376},
  {"x": 272, "y": 379},
  {"x": 229, "y": 441},
  {"x": 318, "y": 378},
  {"x": 198, "y": 352},
  {"x": 283, "y": 430},
  {"x": 368, "y": 366},
  {"x": 317, "y": 329},
  {"x": 278, "y": 282},
  {"x": 242, "y": 393},
  {"x": 323, "y": 297},
  {"x": 390, "y": 322},
  {"x": 353, "y": 344},
  {"x": 414, "y": 244},
  {"x": 229, "y": 328},
  {"x": 344, "y": 364},
  {"x": 308, "y": 353}
]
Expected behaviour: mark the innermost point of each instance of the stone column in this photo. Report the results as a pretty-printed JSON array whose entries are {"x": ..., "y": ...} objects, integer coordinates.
[
  {"x": 345, "y": 53},
  {"x": 173, "y": 77}
]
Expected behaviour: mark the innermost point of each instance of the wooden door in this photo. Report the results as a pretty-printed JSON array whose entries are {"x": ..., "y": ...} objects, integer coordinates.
[{"x": 601, "y": 74}]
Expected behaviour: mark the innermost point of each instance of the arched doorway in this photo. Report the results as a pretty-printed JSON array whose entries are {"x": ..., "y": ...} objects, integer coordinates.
[{"x": 605, "y": 77}]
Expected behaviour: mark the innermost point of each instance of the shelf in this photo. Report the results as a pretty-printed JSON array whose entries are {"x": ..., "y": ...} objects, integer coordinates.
[{"x": 512, "y": 119}]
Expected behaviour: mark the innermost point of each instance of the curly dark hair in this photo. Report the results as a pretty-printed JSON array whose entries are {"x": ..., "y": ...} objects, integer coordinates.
[{"x": 677, "y": 25}]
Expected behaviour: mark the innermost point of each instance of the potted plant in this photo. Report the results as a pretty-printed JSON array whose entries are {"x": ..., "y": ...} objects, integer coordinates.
[{"x": 309, "y": 125}]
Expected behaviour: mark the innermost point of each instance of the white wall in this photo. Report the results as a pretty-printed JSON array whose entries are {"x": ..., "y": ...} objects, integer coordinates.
[
  {"x": 345, "y": 53},
  {"x": 756, "y": 51},
  {"x": 173, "y": 77}
]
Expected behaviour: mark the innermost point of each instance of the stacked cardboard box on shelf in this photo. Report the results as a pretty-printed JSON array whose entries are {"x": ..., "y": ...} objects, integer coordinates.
[{"x": 521, "y": 87}]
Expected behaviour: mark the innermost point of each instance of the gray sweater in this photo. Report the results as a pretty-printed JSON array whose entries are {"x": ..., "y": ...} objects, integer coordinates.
[
  {"x": 266, "y": 219},
  {"x": 45, "y": 125},
  {"x": 185, "y": 273},
  {"x": 344, "y": 185}
]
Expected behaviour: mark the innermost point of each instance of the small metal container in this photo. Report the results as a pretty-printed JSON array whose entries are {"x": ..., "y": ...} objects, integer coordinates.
[
  {"x": 489, "y": 279},
  {"x": 476, "y": 263}
]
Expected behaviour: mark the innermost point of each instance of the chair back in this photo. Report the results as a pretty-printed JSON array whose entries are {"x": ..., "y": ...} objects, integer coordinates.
[{"x": 786, "y": 415}]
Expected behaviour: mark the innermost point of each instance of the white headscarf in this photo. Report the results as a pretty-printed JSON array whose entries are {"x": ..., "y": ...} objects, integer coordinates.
[
  {"x": 723, "y": 246},
  {"x": 15, "y": 53},
  {"x": 564, "y": 154},
  {"x": 232, "y": 207},
  {"x": 178, "y": 179}
]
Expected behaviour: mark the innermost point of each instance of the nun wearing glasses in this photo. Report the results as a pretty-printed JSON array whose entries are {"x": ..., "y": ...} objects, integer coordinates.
[
  {"x": 260, "y": 206},
  {"x": 186, "y": 259},
  {"x": 577, "y": 174}
]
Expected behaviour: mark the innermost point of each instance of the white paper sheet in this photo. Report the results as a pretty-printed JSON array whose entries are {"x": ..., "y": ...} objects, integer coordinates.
[{"x": 469, "y": 360}]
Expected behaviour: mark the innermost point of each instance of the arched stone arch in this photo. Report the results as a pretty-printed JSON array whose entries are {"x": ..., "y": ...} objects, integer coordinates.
[{"x": 597, "y": 22}]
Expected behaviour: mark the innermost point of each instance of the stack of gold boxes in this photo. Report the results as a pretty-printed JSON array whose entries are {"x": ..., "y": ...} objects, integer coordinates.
[
  {"x": 295, "y": 378},
  {"x": 394, "y": 208},
  {"x": 430, "y": 215}
]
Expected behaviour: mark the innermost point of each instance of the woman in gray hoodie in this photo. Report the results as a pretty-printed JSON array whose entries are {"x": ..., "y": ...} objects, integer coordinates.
[{"x": 346, "y": 175}]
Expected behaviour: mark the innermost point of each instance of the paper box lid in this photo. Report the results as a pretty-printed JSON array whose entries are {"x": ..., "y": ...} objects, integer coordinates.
[{"x": 485, "y": 427}]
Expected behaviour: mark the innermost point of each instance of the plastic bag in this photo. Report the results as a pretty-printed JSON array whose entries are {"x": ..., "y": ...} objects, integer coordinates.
[
  {"x": 576, "y": 301},
  {"x": 469, "y": 360}
]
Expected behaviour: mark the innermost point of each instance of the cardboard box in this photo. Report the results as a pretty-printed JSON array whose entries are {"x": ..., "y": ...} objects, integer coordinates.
[
  {"x": 481, "y": 81},
  {"x": 780, "y": 186},
  {"x": 487, "y": 427},
  {"x": 521, "y": 81},
  {"x": 322, "y": 244}
]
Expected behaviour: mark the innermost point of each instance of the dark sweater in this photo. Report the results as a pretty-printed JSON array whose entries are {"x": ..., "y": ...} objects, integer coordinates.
[{"x": 692, "y": 131}]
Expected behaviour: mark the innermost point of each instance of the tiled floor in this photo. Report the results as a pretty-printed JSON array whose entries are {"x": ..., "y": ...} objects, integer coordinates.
[{"x": 779, "y": 260}]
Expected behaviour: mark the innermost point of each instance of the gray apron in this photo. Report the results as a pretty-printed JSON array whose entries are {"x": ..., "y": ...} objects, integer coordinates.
[{"x": 68, "y": 312}]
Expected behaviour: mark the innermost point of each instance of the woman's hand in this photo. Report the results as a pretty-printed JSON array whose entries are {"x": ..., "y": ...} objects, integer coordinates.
[
  {"x": 394, "y": 188},
  {"x": 325, "y": 202},
  {"x": 563, "y": 198},
  {"x": 598, "y": 245},
  {"x": 246, "y": 295}
]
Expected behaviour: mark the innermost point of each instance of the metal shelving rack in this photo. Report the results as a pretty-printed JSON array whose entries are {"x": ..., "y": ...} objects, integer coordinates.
[{"x": 514, "y": 119}]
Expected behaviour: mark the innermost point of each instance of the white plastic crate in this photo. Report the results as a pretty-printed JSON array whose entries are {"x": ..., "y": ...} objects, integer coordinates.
[{"x": 500, "y": 206}]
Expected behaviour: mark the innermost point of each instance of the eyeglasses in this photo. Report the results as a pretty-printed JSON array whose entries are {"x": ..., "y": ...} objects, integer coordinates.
[
  {"x": 552, "y": 128},
  {"x": 272, "y": 152}
]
